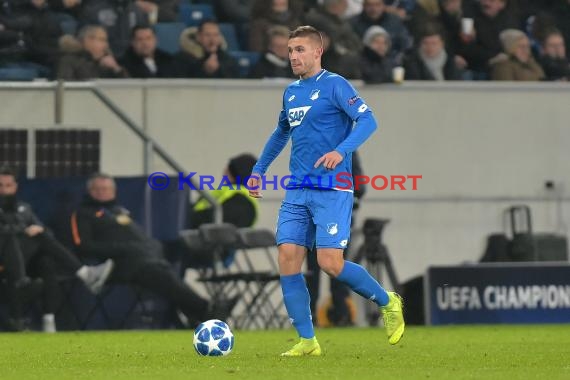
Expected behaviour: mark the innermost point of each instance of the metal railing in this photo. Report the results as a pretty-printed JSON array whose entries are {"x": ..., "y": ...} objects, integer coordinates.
[{"x": 150, "y": 144}]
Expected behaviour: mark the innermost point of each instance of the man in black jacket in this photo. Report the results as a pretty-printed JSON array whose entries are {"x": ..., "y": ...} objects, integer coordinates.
[
  {"x": 144, "y": 60},
  {"x": 26, "y": 246},
  {"x": 103, "y": 229}
]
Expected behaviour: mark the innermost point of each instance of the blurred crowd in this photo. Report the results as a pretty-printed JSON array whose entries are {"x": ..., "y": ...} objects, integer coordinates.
[{"x": 515, "y": 40}]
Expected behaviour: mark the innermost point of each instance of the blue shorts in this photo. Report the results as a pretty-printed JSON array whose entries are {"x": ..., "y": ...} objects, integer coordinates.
[{"x": 309, "y": 214}]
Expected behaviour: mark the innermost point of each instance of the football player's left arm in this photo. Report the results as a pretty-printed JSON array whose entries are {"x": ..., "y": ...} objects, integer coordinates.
[
  {"x": 347, "y": 100},
  {"x": 365, "y": 123}
]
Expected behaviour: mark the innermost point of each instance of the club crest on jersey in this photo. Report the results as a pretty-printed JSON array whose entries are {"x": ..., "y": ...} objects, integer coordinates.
[
  {"x": 296, "y": 115},
  {"x": 315, "y": 94},
  {"x": 332, "y": 228}
]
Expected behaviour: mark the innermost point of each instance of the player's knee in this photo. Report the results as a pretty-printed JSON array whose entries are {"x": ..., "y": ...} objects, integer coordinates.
[
  {"x": 331, "y": 265},
  {"x": 290, "y": 262}
]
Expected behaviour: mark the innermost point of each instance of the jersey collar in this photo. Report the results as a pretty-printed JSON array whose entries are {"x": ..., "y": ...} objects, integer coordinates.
[{"x": 315, "y": 77}]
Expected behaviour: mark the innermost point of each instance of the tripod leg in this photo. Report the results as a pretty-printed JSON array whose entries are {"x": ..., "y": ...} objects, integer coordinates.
[
  {"x": 372, "y": 312},
  {"x": 391, "y": 272}
]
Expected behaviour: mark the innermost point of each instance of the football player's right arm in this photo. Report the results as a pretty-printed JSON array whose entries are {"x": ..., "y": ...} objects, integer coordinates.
[
  {"x": 274, "y": 145},
  {"x": 277, "y": 141}
]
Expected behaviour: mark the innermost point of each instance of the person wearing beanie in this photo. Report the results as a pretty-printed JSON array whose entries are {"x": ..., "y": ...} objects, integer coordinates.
[
  {"x": 375, "y": 65},
  {"x": 238, "y": 208},
  {"x": 519, "y": 64}
]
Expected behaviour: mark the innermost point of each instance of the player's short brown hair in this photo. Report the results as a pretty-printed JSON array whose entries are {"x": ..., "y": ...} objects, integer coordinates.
[{"x": 307, "y": 31}]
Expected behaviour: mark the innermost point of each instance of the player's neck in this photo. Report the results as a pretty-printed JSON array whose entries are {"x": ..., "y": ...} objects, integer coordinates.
[{"x": 312, "y": 73}]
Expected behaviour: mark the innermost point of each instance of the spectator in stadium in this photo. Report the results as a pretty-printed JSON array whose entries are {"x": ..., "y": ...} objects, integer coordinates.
[
  {"x": 375, "y": 65},
  {"x": 203, "y": 53},
  {"x": 328, "y": 19},
  {"x": 118, "y": 17},
  {"x": 553, "y": 58},
  {"x": 89, "y": 57},
  {"x": 374, "y": 13},
  {"x": 274, "y": 63},
  {"x": 28, "y": 249},
  {"x": 30, "y": 31},
  {"x": 103, "y": 229},
  {"x": 430, "y": 61},
  {"x": 483, "y": 47},
  {"x": 446, "y": 13},
  {"x": 519, "y": 64},
  {"x": 266, "y": 14},
  {"x": 144, "y": 60},
  {"x": 555, "y": 16},
  {"x": 339, "y": 60}
]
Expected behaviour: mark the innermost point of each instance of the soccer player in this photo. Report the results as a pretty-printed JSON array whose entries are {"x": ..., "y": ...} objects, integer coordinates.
[{"x": 327, "y": 121}]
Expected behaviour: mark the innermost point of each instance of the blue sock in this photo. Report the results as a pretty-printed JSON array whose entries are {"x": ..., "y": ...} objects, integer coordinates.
[
  {"x": 361, "y": 282},
  {"x": 297, "y": 303}
]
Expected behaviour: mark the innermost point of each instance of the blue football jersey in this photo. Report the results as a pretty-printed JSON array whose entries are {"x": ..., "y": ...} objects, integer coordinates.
[{"x": 320, "y": 113}]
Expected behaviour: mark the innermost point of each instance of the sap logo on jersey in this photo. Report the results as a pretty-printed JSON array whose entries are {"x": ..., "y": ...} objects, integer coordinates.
[{"x": 296, "y": 115}]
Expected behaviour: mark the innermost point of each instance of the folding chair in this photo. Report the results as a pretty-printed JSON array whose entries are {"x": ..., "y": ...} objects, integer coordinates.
[
  {"x": 207, "y": 248},
  {"x": 223, "y": 279},
  {"x": 264, "y": 305}
]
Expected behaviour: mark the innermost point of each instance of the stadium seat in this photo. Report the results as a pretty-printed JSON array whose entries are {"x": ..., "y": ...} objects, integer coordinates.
[
  {"x": 230, "y": 34},
  {"x": 168, "y": 34},
  {"x": 246, "y": 60},
  {"x": 18, "y": 74},
  {"x": 193, "y": 14}
]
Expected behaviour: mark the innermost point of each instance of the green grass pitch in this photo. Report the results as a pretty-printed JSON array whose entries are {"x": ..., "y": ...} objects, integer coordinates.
[{"x": 466, "y": 352}]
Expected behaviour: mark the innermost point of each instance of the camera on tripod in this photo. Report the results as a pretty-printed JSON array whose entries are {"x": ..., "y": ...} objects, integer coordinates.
[{"x": 374, "y": 249}]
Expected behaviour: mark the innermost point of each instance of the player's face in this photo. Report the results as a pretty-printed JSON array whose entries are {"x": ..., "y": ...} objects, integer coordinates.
[
  {"x": 305, "y": 56},
  {"x": 8, "y": 185}
]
